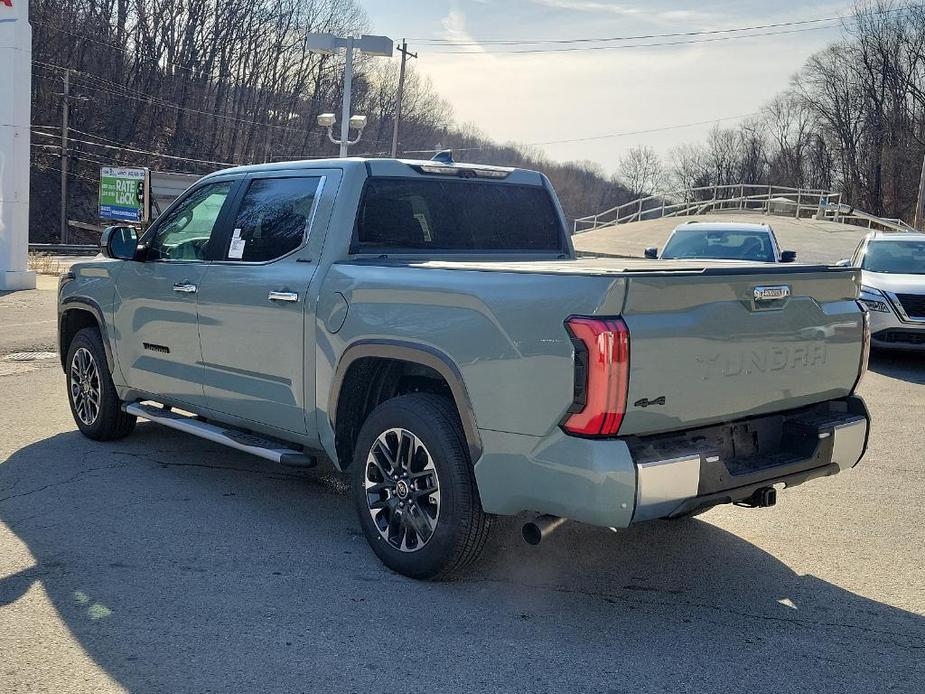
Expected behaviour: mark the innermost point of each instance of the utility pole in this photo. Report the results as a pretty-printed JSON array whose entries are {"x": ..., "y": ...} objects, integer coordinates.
[
  {"x": 65, "y": 108},
  {"x": 401, "y": 90},
  {"x": 920, "y": 205}
]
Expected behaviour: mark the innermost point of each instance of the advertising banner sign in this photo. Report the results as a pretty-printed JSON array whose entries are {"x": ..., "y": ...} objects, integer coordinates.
[{"x": 125, "y": 194}]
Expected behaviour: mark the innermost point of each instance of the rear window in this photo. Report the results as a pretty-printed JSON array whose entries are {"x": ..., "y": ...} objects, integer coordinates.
[{"x": 402, "y": 213}]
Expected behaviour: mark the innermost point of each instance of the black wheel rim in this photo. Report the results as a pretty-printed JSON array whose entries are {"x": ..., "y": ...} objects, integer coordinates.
[{"x": 402, "y": 490}]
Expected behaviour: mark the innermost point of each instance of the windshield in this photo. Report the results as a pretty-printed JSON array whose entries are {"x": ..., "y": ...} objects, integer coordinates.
[
  {"x": 457, "y": 216},
  {"x": 899, "y": 257},
  {"x": 720, "y": 245}
]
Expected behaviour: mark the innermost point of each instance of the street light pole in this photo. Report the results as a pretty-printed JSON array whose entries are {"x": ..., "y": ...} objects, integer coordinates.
[
  {"x": 345, "y": 108},
  {"x": 330, "y": 44}
]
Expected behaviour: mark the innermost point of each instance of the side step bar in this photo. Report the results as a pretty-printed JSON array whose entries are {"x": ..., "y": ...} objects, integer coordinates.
[{"x": 241, "y": 440}]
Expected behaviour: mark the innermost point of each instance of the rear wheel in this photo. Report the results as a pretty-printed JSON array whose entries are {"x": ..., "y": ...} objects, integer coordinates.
[
  {"x": 415, "y": 490},
  {"x": 95, "y": 406}
]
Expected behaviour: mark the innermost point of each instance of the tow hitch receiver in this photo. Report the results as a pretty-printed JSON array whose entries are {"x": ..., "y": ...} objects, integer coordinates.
[{"x": 762, "y": 498}]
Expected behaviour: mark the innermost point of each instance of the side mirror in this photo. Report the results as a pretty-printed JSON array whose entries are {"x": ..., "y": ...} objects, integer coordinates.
[
  {"x": 844, "y": 262},
  {"x": 652, "y": 253},
  {"x": 119, "y": 242},
  {"x": 788, "y": 256}
]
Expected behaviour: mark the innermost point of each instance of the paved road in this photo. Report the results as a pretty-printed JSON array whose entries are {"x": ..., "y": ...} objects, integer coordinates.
[
  {"x": 28, "y": 320},
  {"x": 165, "y": 563}
]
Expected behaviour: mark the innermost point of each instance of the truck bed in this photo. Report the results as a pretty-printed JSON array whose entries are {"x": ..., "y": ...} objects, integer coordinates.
[{"x": 702, "y": 351}]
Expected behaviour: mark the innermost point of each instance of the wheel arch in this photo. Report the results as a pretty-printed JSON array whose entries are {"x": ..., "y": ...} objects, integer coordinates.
[
  {"x": 366, "y": 371},
  {"x": 75, "y": 314}
]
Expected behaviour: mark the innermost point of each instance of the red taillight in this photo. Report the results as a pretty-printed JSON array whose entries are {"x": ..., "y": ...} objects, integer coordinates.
[{"x": 602, "y": 356}]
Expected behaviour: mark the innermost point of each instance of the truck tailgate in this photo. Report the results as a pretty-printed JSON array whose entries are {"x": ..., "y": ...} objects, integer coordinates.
[{"x": 704, "y": 349}]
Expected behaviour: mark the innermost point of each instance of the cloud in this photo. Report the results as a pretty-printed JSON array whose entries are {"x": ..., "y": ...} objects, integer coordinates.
[
  {"x": 620, "y": 10},
  {"x": 589, "y": 6},
  {"x": 454, "y": 30},
  {"x": 550, "y": 97}
]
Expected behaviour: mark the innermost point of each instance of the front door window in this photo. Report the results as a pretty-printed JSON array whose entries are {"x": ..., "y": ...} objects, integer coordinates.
[{"x": 185, "y": 233}]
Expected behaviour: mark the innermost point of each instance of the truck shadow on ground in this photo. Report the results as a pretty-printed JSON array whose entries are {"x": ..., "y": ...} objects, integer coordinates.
[
  {"x": 181, "y": 566},
  {"x": 907, "y": 366}
]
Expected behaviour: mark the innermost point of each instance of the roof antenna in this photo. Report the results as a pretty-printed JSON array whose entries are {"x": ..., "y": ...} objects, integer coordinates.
[{"x": 444, "y": 156}]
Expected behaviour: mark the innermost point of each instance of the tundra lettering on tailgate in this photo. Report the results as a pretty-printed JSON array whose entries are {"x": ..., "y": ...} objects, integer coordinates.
[{"x": 764, "y": 360}]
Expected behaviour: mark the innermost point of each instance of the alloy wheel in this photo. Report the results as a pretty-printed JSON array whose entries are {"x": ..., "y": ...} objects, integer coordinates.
[
  {"x": 85, "y": 386},
  {"x": 402, "y": 489}
]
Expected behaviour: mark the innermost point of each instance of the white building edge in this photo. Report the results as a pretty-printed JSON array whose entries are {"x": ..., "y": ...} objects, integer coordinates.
[{"x": 15, "y": 137}]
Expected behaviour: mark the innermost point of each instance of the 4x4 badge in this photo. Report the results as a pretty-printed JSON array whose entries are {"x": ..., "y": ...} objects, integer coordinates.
[{"x": 645, "y": 402}]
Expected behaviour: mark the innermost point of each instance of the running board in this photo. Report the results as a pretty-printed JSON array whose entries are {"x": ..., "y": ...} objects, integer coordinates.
[{"x": 233, "y": 438}]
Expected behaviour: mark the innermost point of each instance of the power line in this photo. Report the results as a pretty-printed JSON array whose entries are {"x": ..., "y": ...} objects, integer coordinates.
[
  {"x": 161, "y": 61},
  {"x": 636, "y": 37},
  {"x": 656, "y": 44},
  {"x": 678, "y": 34},
  {"x": 147, "y": 152},
  {"x": 590, "y": 138},
  {"x": 164, "y": 156},
  {"x": 70, "y": 173},
  {"x": 138, "y": 95},
  {"x": 115, "y": 47},
  {"x": 94, "y": 135}
]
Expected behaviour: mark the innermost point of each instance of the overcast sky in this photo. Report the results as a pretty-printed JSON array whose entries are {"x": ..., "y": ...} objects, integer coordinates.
[{"x": 538, "y": 98}]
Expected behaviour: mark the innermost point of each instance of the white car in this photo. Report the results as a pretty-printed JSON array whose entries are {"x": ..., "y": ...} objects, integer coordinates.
[
  {"x": 893, "y": 287},
  {"x": 723, "y": 241}
]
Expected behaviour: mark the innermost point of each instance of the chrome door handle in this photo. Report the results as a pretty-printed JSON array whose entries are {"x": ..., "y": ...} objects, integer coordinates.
[
  {"x": 283, "y": 296},
  {"x": 184, "y": 288}
]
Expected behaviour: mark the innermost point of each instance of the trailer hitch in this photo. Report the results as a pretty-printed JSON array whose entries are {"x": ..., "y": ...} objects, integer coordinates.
[{"x": 761, "y": 498}]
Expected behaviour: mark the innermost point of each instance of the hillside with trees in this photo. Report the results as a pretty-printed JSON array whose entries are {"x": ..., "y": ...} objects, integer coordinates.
[
  {"x": 852, "y": 120},
  {"x": 194, "y": 87},
  {"x": 198, "y": 86}
]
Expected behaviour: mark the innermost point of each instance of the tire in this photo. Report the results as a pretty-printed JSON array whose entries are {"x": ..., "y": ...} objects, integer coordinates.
[
  {"x": 441, "y": 528},
  {"x": 91, "y": 394}
]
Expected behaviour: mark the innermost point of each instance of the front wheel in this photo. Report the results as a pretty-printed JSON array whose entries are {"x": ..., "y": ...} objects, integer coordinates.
[
  {"x": 94, "y": 403},
  {"x": 415, "y": 490}
]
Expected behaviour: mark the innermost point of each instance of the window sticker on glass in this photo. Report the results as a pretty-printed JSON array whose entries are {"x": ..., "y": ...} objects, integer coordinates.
[{"x": 237, "y": 245}]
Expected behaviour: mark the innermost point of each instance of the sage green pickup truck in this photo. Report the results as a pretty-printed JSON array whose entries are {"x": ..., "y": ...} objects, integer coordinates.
[{"x": 427, "y": 327}]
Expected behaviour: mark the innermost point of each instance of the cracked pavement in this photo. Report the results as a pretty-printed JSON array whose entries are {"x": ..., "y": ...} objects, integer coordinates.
[{"x": 165, "y": 563}]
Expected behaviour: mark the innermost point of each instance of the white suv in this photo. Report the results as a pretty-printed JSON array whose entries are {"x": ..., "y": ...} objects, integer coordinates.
[{"x": 893, "y": 287}]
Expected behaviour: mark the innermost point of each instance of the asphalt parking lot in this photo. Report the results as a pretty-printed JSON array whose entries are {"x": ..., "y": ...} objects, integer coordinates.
[{"x": 166, "y": 563}]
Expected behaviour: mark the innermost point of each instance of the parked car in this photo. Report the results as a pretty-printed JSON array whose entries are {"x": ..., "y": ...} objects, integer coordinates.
[
  {"x": 893, "y": 287},
  {"x": 723, "y": 241},
  {"x": 427, "y": 328}
]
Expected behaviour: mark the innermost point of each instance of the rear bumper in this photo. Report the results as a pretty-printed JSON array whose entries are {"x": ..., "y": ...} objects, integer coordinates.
[{"x": 618, "y": 482}]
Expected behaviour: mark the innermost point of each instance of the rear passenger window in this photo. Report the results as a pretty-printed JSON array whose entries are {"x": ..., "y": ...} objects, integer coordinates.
[
  {"x": 460, "y": 215},
  {"x": 273, "y": 218}
]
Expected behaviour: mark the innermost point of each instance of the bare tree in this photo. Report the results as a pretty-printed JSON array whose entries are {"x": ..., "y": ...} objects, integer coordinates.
[{"x": 641, "y": 171}]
